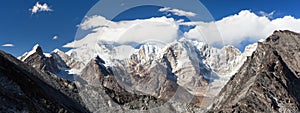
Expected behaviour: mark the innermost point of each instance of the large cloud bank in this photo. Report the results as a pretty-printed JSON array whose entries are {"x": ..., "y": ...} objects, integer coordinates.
[
  {"x": 135, "y": 31},
  {"x": 244, "y": 26},
  {"x": 231, "y": 30}
]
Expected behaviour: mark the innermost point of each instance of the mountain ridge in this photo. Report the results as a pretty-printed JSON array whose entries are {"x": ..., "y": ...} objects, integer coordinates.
[
  {"x": 185, "y": 72},
  {"x": 30, "y": 92},
  {"x": 268, "y": 80}
]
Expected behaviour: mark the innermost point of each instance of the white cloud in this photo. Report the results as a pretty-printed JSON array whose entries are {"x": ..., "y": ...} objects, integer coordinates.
[
  {"x": 269, "y": 15},
  {"x": 137, "y": 31},
  {"x": 55, "y": 38},
  {"x": 95, "y": 21},
  {"x": 8, "y": 45},
  {"x": 231, "y": 30},
  {"x": 40, "y": 8},
  {"x": 244, "y": 26},
  {"x": 178, "y": 12}
]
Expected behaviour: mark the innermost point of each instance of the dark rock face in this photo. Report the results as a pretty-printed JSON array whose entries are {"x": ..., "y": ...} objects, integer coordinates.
[
  {"x": 100, "y": 79},
  {"x": 57, "y": 63},
  {"x": 268, "y": 81},
  {"x": 39, "y": 61},
  {"x": 287, "y": 44},
  {"x": 67, "y": 60},
  {"x": 114, "y": 97},
  {"x": 51, "y": 66},
  {"x": 25, "y": 89}
]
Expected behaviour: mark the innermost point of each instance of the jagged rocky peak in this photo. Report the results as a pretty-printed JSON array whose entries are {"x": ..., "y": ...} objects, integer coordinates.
[
  {"x": 35, "y": 50},
  {"x": 249, "y": 49},
  {"x": 94, "y": 71},
  {"x": 53, "y": 62},
  {"x": 287, "y": 44},
  {"x": 100, "y": 60},
  {"x": 267, "y": 81},
  {"x": 227, "y": 60},
  {"x": 148, "y": 52},
  {"x": 232, "y": 51},
  {"x": 69, "y": 61},
  {"x": 186, "y": 63},
  {"x": 56, "y": 62},
  {"x": 36, "y": 58},
  {"x": 104, "y": 82},
  {"x": 155, "y": 70},
  {"x": 152, "y": 78}
]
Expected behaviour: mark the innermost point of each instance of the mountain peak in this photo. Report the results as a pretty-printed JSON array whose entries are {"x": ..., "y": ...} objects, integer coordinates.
[
  {"x": 56, "y": 50},
  {"x": 100, "y": 60},
  {"x": 35, "y": 50},
  {"x": 284, "y": 36},
  {"x": 284, "y": 32}
]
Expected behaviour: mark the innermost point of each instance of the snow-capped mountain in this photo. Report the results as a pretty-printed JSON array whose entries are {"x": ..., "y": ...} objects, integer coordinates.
[
  {"x": 159, "y": 70},
  {"x": 188, "y": 60},
  {"x": 190, "y": 63},
  {"x": 56, "y": 62}
]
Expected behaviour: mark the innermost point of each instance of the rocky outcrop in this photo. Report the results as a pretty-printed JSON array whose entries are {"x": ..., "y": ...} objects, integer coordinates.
[
  {"x": 38, "y": 60},
  {"x": 187, "y": 65},
  {"x": 69, "y": 61},
  {"x": 268, "y": 81},
  {"x": 23, "y": 89},
  {"x": 54, "y": 68},
  {"x": 95, "y": 71},
  {"x": 104, "y": 89},
  {"x": 111, "y": 95},
  {"x": 57, "y": 62}
]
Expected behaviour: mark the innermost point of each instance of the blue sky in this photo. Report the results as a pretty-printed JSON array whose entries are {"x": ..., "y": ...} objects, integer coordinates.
[{"x": 18, "y": 26}]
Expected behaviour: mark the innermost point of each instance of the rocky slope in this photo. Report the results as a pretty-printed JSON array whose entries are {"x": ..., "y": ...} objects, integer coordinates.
[
  {"x": 173, "y": 77},
  {"x": 268, "y": 81},
  {"x": 25, "y": 89},
  {"x": 178, "y": 77},
  {"x": 56, "y": 62},
  {"x": 114, "y": 95},
  {"x": 96, "y": 87}
]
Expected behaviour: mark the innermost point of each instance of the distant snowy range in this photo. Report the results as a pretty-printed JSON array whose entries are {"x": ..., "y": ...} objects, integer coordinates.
[{"x": 149, "y": 64}]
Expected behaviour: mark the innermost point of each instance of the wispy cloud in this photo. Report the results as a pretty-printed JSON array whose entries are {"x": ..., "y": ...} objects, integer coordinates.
[
  {"x": 40, "y": 8},
  {"x": 178, "y": 12},
  {"x": 55, "y": 38},
  {"x": 269, "y": 15},
  {"x": 8, "y": 45}
]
